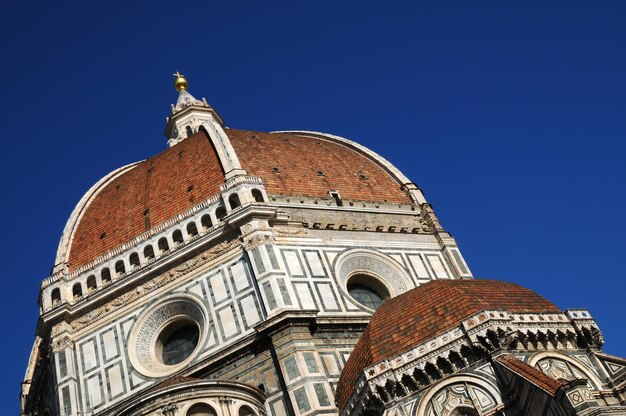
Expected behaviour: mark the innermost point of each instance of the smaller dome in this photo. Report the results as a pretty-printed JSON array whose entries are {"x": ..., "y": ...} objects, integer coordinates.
[{"x": 420, "y": 314}]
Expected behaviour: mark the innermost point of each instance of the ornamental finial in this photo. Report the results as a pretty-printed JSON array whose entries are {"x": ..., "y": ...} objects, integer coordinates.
[{"x": 180, "y": 83}]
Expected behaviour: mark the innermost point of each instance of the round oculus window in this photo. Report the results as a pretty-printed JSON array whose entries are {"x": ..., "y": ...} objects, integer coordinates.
[
  {"x": 167, "y": 336},
  {"x": 367, "y": 290},
  {"x": 177, "y": 342}
]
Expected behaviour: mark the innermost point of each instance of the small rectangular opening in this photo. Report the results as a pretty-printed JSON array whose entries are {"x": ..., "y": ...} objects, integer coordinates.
[{"x": 337, "y": 197}]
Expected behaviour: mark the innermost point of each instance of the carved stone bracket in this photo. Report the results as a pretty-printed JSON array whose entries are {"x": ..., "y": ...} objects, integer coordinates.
[
  {"x": 258, "y": 240},
  {"x": 169, "y": 409},
  {"x": 61, "y": 343}
]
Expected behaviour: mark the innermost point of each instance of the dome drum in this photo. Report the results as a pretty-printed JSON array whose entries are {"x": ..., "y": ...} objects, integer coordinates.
[{"x": 202, "y": 220}]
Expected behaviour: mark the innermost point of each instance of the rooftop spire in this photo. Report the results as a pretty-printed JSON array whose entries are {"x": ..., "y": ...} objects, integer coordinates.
[{"x": 180, "y": 83}]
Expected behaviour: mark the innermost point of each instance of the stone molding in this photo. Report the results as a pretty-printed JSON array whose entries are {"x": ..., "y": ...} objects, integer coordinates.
[
  {"x": 162, "y": 230},
  {"x": 154, "y": 284},
  {"x": 61, "y": 343},
  {"x": 145, "y": 331},
  {"x": 374, "y": 263},
  {"x": 185, "y": 394},
  {"x": 512, "y": 331}
]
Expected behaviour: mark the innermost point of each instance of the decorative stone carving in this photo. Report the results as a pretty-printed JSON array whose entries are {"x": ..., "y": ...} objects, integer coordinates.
[
  {"x": 460, "y": 399},
  {"x": 169, "y": 409},
  {"x": 372, "y": 263},
  {"x": 258, "y": 240},
  {"x": 290, "y": 231},
  {"x": 62, "y": 343},
  {"x": 254, "y": 225},
  {"x": 145, "y": 332},
  {"x": 155, "y": 283}
]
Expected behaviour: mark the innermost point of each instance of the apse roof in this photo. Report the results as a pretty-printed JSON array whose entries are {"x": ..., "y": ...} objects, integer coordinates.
[{"x": 422, "y": 313}]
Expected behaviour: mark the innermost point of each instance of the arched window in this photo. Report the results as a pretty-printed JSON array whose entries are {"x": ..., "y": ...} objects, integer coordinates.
[
  {"x": 201, "y": 409},
  {"x": 206, "y": 221},
  {"x": 120, "y": 269},
  {"x": 105, "y": 276},
  {"x": 91, "y": 283},
  {"x": 163, "y": 245},
  {"x": 464, "y": 411},
  {"x": 148, "y": 252},
  {"x": 246, "y": 411},
  {"x": 192, "y": 230},
  {"x": 77, "y": 291},
  {"x": 220, "y": 213},
  {"x": 257, "y": 195},
  {"x": 134, "y": 260},
  {"x": 233, "y": 200},
  {"x": 189, "y": 131},
  {"x": 177, "y": 236},
  {"x": 55, "y": 296},
  {"x": 367, "y": 290}
]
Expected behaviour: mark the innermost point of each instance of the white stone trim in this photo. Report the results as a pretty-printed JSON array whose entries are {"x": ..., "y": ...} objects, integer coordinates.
[
  {"x": 535, "y": 358},
  {"x": 464, "y": 378},
  {"x": 67, "y": 237},
  {"x": 153, "y": 320},
  {"x": 225, "y": 151},
  {"x": 394, "y": 172},
  {"x": 374, "y": 263}
]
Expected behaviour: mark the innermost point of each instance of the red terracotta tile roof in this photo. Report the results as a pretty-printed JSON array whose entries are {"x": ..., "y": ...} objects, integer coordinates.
[
  {"x": 530, "y": 373},
  {"x": 300, "y": 158},
  {"x": 420, "y": 314},
  {"x": 148, "y": 194},
  {"x": 172, "y": 381},
  {"x": 161, "y": 185}
]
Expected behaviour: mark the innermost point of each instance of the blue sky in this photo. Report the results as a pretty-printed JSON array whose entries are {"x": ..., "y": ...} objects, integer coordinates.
[{"x": 510, "y": 116}]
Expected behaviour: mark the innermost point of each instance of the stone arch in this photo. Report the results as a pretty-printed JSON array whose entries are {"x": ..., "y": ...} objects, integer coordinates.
[
  {"x": 245, "y": 410},
  {"x": 192, "y": 229},
  {"x": 120, "y": 268},
  {"x": 163, "y": 245},
  {"x": 257, "y": 195},
  {"x": 206, "y": 221},
  {"x": 201, "y": 409},
  {"x": 583, "y": 368},
  {"x": 148, "y": 252},
  {"x": 233, "y": 201},
  {"x": 220, "y": 213},
  {"x": 381, "y": 268},
  {"x": 133, "y": 260},
  {"x": 55, "y": 296},
  {"x": 177, "y": 237},
  {"x": 91, "y": 283},
  {"x": 105, "y": 276},
  {"x": 77, "y": 291},
  {"x": 470, "y": 391}
]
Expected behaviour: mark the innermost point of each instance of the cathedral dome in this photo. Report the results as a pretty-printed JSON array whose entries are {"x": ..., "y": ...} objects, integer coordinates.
[
  {"x": 429, "y": 310},
  {"x": 133, "y": 199}
]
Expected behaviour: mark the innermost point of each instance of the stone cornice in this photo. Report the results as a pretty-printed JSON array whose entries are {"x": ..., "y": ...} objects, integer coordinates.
[
  {"x": 197, "y": 388},
  {"x": 134, "y": 293},
  {"x": 205, "y": 207},
  {"x": 471, "y": 333}
]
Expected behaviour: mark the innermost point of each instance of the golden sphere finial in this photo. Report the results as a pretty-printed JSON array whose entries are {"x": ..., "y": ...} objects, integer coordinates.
[{"x": 180, "y": 83}]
